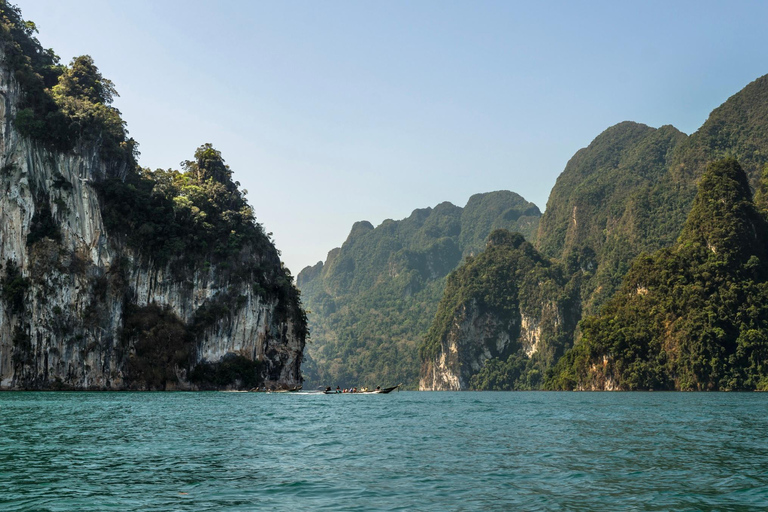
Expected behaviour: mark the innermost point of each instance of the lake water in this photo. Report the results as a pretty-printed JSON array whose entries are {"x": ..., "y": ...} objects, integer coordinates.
[{"x": 403, "y": 451}]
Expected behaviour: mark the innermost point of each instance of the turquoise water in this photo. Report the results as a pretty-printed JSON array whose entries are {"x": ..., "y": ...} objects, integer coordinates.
[{"x": 403, "y": 451}]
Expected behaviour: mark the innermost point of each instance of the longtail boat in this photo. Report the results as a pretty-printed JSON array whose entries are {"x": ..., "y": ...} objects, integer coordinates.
[{"x": 378, "y": 391}]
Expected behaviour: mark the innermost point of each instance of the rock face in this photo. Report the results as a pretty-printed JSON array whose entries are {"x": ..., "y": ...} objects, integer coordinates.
[
  {"x": 62, "y": 317},
  {"x": 475, "y": 337}
]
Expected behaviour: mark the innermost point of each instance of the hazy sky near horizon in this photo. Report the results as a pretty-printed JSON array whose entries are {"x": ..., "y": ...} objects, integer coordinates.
[{"x": 337, "y": 111}]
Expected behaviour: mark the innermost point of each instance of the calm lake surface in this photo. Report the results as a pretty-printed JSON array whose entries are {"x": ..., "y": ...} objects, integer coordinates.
[{"x": 403, "y": 451}]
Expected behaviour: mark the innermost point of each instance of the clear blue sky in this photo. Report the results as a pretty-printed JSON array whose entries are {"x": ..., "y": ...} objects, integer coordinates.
[{"x": 337, "y": 111}]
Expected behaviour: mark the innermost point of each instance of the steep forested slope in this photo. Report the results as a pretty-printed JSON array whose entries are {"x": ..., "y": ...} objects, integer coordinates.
[
  {"x": 691, "y": 317},
  {"x": 631, "y": 189},
  {"x": 597, "y": 216}
]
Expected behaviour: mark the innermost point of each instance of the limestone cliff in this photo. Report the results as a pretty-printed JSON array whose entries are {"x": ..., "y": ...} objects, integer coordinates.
[
  {"x": 69, "y": 286},
  {"x": 475, "y": 337}
]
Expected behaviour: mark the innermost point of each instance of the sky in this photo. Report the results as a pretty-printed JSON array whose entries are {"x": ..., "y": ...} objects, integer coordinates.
[{"x": 337, "y": 111}]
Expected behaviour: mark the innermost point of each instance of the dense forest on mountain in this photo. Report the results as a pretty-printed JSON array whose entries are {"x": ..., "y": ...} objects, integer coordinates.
[
  {"x": 690, "y": 317},
  {"x": 597, "y": 216},
  {"x": 373, "y": 298},
  {"x": 630, "y": 193},
  {"x": 631, "y": 189}
]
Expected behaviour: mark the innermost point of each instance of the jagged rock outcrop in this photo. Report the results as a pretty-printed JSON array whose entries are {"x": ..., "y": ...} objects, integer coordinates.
[
  {"x": 505, "y": 304},
  {"x": 475, "y": 337},
  {"x": 69, "y": 285}
]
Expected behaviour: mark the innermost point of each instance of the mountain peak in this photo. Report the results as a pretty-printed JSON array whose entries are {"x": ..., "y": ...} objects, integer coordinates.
[
  {"x": 359, "y": 228},
  {"x": 723, "y": 217}
]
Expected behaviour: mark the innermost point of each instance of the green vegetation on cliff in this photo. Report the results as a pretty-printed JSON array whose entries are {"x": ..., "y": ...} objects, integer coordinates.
[
  {"x": 194, "y": 218},
  {"x": 597, "y": 218},
  {"x": 63, "y": 106},
  {"x": 483, "y": 309},
  {"x": 738, "y": 129},
  {"x": 373, "y": 299},
  {"x": 630, "y": 191},
  {"x": 168, "y": 214},
  {"x": 191, "y": 221},
  {"x": 691, "y": 317}
]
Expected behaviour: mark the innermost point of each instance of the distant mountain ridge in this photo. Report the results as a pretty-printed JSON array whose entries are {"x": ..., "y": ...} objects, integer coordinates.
[{"x": 372, "y": 299}]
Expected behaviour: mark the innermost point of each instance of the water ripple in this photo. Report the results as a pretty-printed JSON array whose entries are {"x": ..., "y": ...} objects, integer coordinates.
[{"x": 406, "y": 451}]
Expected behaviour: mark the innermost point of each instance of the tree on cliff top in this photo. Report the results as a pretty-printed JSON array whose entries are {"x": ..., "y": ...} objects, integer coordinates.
[
  {"x": 209, "y": 164},
  {"x": 83, "y": 80},
  {"x": 61, "y": 107}
]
